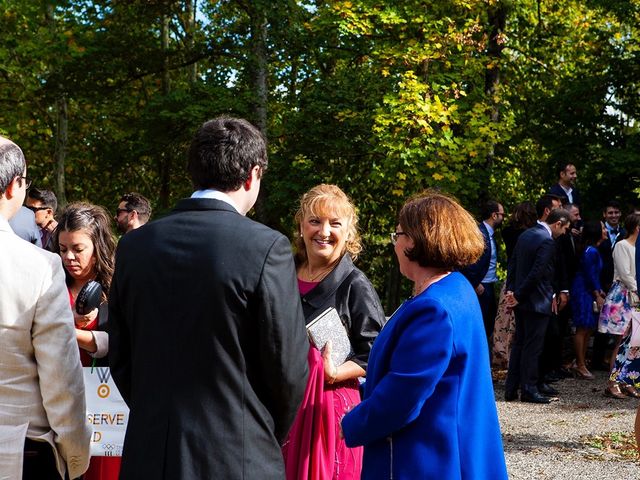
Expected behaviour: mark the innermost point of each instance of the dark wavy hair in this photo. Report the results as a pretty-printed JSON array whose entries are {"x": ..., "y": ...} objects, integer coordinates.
[{"x": 96, "y": 222}]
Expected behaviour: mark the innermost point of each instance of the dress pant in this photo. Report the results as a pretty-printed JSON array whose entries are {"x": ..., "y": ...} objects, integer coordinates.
[
  {"x": 39, "y": 462},
  {"x": 527, "y": 347},
  {"x": 552, "y": 353},
  {"x": 489, "y": 310}
]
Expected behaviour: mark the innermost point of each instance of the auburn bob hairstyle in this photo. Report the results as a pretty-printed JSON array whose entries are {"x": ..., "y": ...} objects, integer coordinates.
[{"x": 445, "y": 235}]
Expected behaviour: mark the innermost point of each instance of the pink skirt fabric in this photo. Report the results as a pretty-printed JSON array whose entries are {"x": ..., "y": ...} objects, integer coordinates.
[{"x": 313, "y": 449}]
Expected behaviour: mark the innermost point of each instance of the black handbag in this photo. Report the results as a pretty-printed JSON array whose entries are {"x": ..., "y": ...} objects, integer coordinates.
[{"x": 89, "y": 297}]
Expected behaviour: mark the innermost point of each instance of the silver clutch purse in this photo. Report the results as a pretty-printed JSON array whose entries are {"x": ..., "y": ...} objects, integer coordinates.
[{"x": 328, "y": 326}]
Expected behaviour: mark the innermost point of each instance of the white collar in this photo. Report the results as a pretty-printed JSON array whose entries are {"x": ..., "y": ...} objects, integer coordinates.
[
  {"x": 546, "y": 226},
  {"x": 216, "y": 195}
]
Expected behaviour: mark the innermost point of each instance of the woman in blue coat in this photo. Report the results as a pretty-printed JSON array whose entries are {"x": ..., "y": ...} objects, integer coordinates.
[{"x": 428, "y": 409}]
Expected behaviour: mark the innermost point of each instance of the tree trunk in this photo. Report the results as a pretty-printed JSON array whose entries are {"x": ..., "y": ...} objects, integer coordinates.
[
  {"x": 191, "y": 8},
  {"x": 165, "y": 157},
  {"x": 61, "y": 127},
  {"x": 61, "y": 149},
  {"x": 259, "y": 81},
  {"x": 259, "y": 73},
  {"x": 497, "y": 22}
]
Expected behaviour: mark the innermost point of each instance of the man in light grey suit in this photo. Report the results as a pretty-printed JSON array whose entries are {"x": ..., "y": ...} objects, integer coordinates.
[{"x": 43, "y": 429}]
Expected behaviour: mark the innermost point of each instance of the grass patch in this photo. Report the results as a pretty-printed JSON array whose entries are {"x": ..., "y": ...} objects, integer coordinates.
[{"x": 619, "y": 444}]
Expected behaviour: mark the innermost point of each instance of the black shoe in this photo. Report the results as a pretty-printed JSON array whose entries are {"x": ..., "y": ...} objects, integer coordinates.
[
  {"x": 552, "y": 378},
  {"x": 545, "y": 389},
  {"x": 534, "y": 397},
  {"x": 510, "y": 395}
]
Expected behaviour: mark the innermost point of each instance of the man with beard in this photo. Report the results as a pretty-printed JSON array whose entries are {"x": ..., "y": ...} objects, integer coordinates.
[
  {"x": 482, "y": 274},
  {"x": 133, "y": 211},
  {"x": 566, "y": 186}
]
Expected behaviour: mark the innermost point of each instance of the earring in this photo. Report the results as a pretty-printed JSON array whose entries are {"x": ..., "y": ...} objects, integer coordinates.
[{"x": 300, "y": 234}]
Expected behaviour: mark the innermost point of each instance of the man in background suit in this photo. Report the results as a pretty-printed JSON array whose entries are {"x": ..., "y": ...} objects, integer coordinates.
[
  {"x": 566, "y": 186},
  {"x": 43, "y": 429},
  {"x": 24, "y": 225},
  {"x": 44, "y": 204},
  {"x": 530, "y": 292},
  {"x": 207, "y": 342},
  {"x": 482, "y": 274}
]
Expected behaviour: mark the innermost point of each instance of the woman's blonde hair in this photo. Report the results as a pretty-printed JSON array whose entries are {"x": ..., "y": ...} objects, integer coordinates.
[
  {"x": 445, "y": 235},
  {"x": 327, "y": 201}
]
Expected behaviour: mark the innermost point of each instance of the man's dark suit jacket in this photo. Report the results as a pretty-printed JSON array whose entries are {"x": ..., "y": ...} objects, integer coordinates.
[
  {"x": 476, "y": 272},
  {"x": 556, "y": 189},
  {"x": 530, "y": 270},
  {"x": 207, "y": 345}
]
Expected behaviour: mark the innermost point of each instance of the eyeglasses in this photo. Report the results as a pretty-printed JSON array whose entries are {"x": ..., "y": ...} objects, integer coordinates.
[
  {"x": 394, "y": 237},
  {"x": 27, "y": 180},
  {"x": 36, "y": 209},
  {"x": 120, "y": 210}
]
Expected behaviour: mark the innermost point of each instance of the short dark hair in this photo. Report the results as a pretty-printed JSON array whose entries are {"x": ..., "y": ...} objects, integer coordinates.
[
  {"x": 444, "y": 234},
  {"x": 12, "y": 163},
  {"x": 562, "y": 166},
  {"x": 631, "y": 222},
  {"x": 223, "y": 153},
  {"x": 135, "y": 201},
  {"x": 546, "y": 201},
  {"x": 46, "y": 197},
  {"x": 612, "y": 204},
  {"x": 489, "y": 208},
  {"x": 558, "y": 215}
]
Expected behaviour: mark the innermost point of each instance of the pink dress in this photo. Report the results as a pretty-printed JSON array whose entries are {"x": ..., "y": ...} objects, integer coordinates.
[{"x": 314, "y": 449}]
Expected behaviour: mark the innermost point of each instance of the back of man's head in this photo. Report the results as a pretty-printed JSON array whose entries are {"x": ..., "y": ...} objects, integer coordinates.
[
  {"x": 46, "y": 197},
  {"x": 546, "y": 202},
  {"x": 223, "y": 153},
  {"x": 135, "y": 201},
  {"x": 12, "y": 163},
  {"x": 558, "y": 215}
]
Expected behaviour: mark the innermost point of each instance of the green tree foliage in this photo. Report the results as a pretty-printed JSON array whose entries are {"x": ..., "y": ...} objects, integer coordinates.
[{"x": 476, "y": 97}]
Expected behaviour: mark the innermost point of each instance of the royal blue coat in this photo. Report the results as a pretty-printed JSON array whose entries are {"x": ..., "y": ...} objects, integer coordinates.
[{"x": 428, "y": 409}]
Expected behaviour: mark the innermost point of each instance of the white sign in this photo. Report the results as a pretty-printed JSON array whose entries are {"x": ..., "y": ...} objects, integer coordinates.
[{"x": 106, "y": 412}]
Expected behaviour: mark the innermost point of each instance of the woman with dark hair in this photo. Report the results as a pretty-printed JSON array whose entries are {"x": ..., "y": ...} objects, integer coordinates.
[
  {"x": 587, "y": 293},
  {"x": 428, "y": 409},
  {"x": 86, "y": 245},
  {"x": 523, "y": 217},
  {"x": 620, "y": 315},
  {"x": 327, "y": 242}
]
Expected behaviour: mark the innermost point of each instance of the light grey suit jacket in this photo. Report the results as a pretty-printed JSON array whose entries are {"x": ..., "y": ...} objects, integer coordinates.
[{"x": 41, "y": 384}]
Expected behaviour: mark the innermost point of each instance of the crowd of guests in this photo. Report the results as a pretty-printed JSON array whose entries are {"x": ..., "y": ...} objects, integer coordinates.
[
  {"x": 202, "y": 322},
  {"x": 565, "y": 275},
  {"x": 203, "y": 314}
]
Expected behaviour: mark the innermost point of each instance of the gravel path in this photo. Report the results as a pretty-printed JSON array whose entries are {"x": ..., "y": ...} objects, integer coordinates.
[{"x": 552, "y": 441}]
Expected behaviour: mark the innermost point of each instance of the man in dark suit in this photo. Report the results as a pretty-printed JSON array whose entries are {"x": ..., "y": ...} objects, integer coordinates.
[
  {"x": 482, "y": 274},
  {"x": 530, "y": 292},
  {"x": 207, "y": 339},
  {"x": 611, "y": 214},
  {"x": 566, "y": 186}
]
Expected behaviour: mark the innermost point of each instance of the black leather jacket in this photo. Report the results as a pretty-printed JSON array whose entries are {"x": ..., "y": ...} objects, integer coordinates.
[{"x": 348, "y": 290}]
